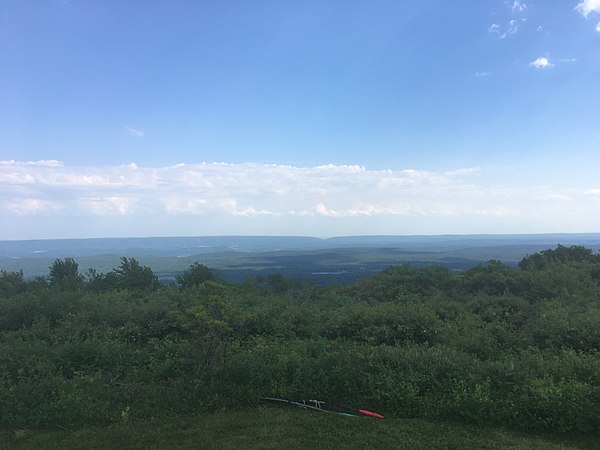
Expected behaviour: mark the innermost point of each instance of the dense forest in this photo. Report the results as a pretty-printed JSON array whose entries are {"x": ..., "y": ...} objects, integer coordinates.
[{"x": 516, "y": 347}]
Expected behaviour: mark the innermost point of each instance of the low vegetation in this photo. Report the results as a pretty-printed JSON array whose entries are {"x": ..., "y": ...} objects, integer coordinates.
[
  {"x": 493, "y": 345},
  {"x": 276, "y": 428}
]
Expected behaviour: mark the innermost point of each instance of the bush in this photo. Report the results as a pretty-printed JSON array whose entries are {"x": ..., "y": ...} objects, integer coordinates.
[{"x": 493, "y": 345}]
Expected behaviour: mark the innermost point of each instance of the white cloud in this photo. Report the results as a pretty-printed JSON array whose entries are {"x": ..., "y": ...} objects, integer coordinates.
[
  {"x": 133, "y": 132},
  {"x": 464, "y": 171},
  {"x": 42, "y": 162},
  {"x": 586, "y": 7},
  {"x": 107, "y": 206},
  {"x": 29, "y": 206},
  {"x": 511, "y": 28},
  {"x": 363, "y": 210},
  {"x": 230, "y": 198},
  {"x": 541, "y": 63},
  {"x": 239, "y": 190},
  {"x": 518, "y": 6},
  {"x": 482, "y": 74},
  {"x": 598, "y": 27},
  {"x": 494, "y": 28}
]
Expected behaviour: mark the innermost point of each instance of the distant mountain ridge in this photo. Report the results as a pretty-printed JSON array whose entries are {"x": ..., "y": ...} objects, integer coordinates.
[{"x": 188, "y": 246}]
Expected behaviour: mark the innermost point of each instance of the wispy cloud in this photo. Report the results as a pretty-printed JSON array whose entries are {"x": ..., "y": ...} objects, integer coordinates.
[
  {"x": 517, "y": 9},
  {"x": 42, "y": 162},
  {"x": 494, "y": 28},
  {"x": 236, "y": 195},
  {"x": 541, "y": 63},
  {"x": 598, "y": 27},
  {"x": 586, "y": 7},
  {"x": 29, "y": 206},
  {"x": 518, "y": 6},
  {"x": 134, "y": 132},
  {"x": 107, "y": 205},
  {"x": 503, "y": 32}
]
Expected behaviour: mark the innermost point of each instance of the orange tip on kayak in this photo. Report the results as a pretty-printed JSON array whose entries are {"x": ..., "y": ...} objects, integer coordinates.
[{"x": 369, "y": 413}]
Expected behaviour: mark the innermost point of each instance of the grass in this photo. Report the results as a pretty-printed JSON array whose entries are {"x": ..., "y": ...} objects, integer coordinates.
[{"x": 282, "y": 428}]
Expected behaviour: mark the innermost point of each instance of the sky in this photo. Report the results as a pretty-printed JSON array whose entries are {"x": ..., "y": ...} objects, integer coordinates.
[{"x": 314, "y": 118}]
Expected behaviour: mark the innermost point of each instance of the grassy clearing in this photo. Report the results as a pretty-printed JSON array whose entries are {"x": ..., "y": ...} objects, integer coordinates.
[{"x": 279, "y": 428}]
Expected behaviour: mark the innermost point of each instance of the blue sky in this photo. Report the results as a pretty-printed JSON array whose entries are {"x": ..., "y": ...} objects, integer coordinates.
[{"x": 155, "y": 118}]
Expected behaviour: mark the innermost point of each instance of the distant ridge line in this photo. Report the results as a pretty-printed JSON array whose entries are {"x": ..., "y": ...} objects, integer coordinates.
[{"x": 175, "y": 245}]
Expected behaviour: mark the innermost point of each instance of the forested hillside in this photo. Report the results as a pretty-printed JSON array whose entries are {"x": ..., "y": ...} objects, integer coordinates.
[{"x": 493, "y": 344}]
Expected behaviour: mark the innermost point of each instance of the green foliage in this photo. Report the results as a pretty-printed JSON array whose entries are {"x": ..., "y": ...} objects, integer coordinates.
[
  {"x": 560, "y": 255},
  {"x": 494, "y": 279},
  {"x": 64, "y": 275},
  {"x": 386, "y": 323},
  {"x": 133, "y": 276},
  {"x": 491, "y": 345},
  {"x": 195, "y": 275},
  {"x": 11, "y": 283},
  {"x": 100, "y": 282}
]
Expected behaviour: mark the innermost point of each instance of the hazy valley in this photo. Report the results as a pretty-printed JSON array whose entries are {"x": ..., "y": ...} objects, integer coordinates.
[{"x": 340, "y": 260}]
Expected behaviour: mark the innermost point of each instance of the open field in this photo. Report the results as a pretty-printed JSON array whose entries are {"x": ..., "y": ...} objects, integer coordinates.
[{"x": 282, "y": 428}]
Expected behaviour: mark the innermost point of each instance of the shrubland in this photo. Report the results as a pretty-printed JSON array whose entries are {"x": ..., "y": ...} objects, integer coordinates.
[{"x": 494, "y": 345}]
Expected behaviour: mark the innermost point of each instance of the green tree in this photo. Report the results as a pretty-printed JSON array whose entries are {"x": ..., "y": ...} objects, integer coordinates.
[
  {"x": 64, "y": 275},
  {"x": 195, "y": 275},
  {"x": 132, "y": 275},
  {"x": 493, "y": 278},
  {"x": 11, "y": 283},
  {"x": 561, "y": 255},
  {"x": 101, "y": 282}
]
